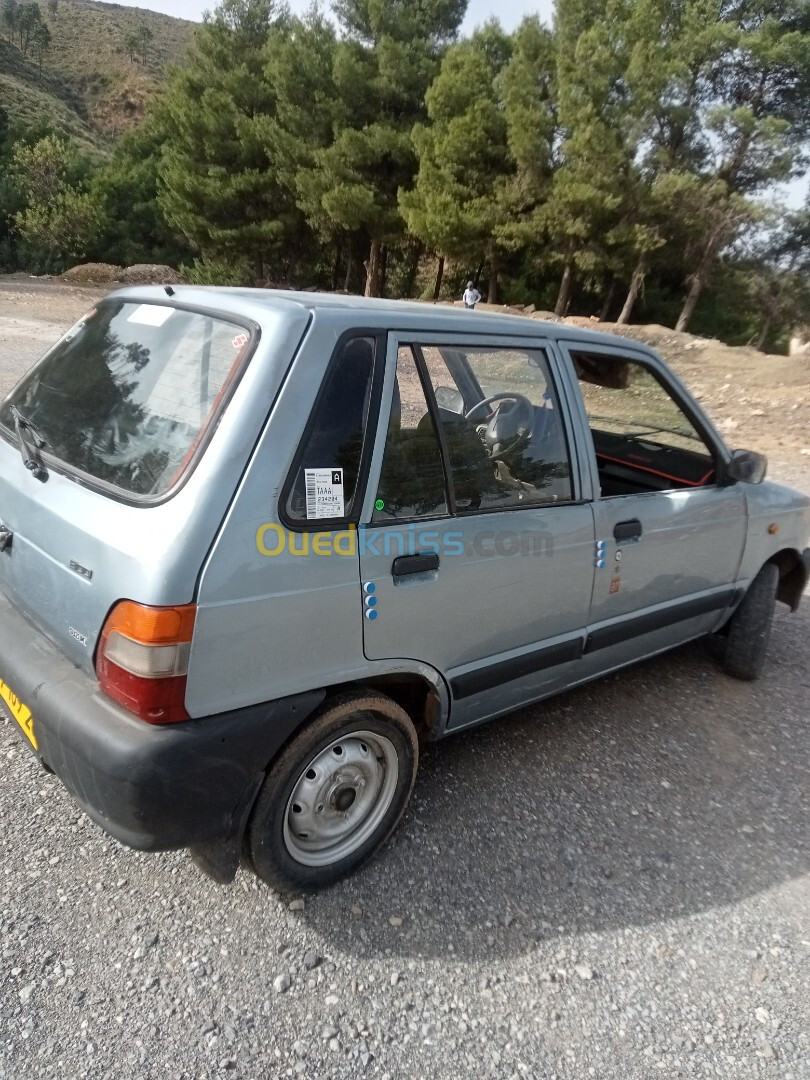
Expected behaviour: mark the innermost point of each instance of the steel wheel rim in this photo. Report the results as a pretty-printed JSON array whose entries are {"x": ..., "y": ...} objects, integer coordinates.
[{"x": 340, "y": 798}]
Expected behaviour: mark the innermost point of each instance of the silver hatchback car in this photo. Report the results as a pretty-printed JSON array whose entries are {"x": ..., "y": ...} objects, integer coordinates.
[{"x": 255, "y": 547}]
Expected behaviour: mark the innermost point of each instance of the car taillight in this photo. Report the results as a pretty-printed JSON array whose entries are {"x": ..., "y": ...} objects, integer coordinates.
[{"x": 142, "y": 659}]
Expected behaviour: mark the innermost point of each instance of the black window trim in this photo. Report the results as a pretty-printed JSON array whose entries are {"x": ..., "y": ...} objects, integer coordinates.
[
  {"x": 112, "y": 491},
  {"x": 316, "y": 525},
  {"x": 438, "y": 426}
]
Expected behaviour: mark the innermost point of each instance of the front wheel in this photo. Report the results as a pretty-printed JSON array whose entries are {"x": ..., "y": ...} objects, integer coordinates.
[
  {"x": 749, "y": 630},
  {"x": 334, "y": 795}
]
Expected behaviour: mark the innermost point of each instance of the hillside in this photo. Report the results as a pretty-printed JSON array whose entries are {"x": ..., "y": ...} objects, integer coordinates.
[{"x": 90, "y": 87}]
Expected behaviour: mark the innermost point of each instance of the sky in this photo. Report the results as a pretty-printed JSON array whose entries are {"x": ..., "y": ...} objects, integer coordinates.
[{"x": 478, "y": 11}]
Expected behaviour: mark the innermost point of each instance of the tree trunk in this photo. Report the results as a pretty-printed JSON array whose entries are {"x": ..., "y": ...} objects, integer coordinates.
[
  {"x": 349, "y": 266},
  {"x": 383, "y": 270},
  {"x": 606, "y": 306},
  {"x": 763, "y": 333},
  {"x": 566, "y": 287},
  {"x": 336, "y": 269},
  {"x": 492, "y": 291},
  {"x": 413, "y": 268},
  {"x": 636, "y": 286},
  {"x": 373, "y": 267},
  {"x": 696, "y": 284},
  {"x": 437, "y": 289}
]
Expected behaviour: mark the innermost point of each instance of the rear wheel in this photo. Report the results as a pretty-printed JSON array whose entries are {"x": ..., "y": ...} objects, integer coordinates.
[
  {"x": 334, "y": 795},
  {"x": 746, "y": 641}
]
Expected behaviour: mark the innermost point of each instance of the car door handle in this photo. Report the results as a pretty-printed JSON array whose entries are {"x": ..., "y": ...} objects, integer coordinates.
[
  {"x": 627, "y": 530},
  {"x": 414, "y": 564}
]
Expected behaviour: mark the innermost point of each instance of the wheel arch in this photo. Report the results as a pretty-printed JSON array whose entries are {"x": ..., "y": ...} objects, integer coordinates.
[{"x": 794, "y": 568}]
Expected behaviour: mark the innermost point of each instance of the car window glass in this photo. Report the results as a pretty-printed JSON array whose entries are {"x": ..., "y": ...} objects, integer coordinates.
[
  {"x": 130, "y": 391},
  {"x": 328, "y": 465},
  {"x": 505, "y": 435},
  {"x": 643, "y": 439},
  {"x": 412, "y": 482}
]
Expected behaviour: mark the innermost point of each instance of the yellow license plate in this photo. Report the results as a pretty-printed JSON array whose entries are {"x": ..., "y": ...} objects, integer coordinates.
[{"x": 20, "y": 712}]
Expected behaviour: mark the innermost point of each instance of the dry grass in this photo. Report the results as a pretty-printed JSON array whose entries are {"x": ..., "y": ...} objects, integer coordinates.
[{"x": 89, "y": 87}]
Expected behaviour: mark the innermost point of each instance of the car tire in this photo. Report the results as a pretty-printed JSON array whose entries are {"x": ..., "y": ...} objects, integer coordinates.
[
  {"x": 749, "y": 628},
  {"x": 334, "y": 795}
]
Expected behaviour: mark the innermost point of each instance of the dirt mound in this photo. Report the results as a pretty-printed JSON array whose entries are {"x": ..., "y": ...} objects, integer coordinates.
[
  {"x": 108, "y": 274},
  {"x": 150, "y": 274},
  {"x": 93, "y": 274}
]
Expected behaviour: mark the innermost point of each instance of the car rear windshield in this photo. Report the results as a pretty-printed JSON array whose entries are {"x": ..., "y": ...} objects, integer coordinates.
[{"x": 127, "y": 395}]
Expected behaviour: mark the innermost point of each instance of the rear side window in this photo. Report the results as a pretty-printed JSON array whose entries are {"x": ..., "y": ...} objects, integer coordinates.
[
  {"x": 127, "y": 396},
  {"x": 323, "y": 483}
]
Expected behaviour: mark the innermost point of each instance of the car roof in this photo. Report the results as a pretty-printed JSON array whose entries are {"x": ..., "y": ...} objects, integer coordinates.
[{"x": 373, "y": 312}]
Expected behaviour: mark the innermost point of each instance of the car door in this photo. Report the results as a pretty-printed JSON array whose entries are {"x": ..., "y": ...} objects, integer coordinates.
[
  {"x": 669, "y": 536},
  {"x": 477, "y": 555}
]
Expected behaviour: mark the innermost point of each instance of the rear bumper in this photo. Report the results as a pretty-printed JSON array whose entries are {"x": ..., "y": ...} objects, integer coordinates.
[{"x": 153, "y": 788}]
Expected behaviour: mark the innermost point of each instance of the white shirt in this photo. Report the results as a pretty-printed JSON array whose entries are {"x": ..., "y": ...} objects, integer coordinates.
[{"x": 471, "y": 296}]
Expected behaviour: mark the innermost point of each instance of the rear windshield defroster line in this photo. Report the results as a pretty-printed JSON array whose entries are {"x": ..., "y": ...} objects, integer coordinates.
[{"x": 128, "y": 397}]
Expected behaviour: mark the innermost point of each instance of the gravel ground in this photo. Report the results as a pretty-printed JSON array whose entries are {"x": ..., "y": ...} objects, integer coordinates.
[{"x": 615, "y": 884}]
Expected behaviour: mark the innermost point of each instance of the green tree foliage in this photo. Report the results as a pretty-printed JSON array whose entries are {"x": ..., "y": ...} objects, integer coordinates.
[
  {"x": 125, "y": 187},
  {"x": 218, "y": 183},
  {"x": 41, "y": 42},
  {"x": 457, "y": 204},
  {"x": 28, "y": 18},
  {"x": 383, "y": 66},
  {"x": 9, "y": 11},
  {"x": 299, "y": 66},
  {"x": 58, "y": 220},
  {"x": 727, "y": 92},
  {"x": 137, "y": 42},
  {"x": 775, "y": 272}
]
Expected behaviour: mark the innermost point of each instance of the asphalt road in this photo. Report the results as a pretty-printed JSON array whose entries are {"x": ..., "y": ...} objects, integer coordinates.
[{"x": 613, "y": 884}]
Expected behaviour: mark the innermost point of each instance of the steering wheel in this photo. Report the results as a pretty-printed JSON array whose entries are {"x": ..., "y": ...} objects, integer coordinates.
[{"x": 507, "y": 429}]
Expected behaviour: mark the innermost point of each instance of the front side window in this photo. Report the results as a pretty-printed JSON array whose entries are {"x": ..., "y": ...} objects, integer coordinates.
[
  {"x": 643, "y": 439},
  {"x": 502, "y": 426},
  {"x": 128, "y": 394},
  {"x": 472, "y": 429}
]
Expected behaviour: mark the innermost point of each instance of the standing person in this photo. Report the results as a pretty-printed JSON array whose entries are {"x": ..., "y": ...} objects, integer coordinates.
[{"x": 471, "y": 295}]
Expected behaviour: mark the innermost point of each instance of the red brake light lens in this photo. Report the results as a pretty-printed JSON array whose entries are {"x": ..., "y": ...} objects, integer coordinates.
[{"x": 142, "y": 659}]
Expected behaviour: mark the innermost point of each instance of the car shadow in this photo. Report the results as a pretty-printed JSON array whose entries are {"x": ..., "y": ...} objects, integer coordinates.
[{"x": 654, "y": 794}]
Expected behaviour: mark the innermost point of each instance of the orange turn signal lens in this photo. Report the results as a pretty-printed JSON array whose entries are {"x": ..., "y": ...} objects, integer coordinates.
[{"x": 152, "y": 625}]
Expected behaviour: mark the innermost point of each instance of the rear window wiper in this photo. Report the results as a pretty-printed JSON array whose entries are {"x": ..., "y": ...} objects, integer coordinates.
[{"x": 31, "y": 442}]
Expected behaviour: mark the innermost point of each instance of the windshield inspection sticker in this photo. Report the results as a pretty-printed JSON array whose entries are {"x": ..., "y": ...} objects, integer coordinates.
[
  {"x": 324, "y": 493},
  {"x": 150, "y": 315}
]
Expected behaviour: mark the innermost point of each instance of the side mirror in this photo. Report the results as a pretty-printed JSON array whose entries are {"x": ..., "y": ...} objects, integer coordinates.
[{"x": 747, "y": 466}]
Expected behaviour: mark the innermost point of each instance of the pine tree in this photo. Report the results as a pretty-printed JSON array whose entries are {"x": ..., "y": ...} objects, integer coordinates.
[
  {"x": 728, "y": 93},
  {"x": 219, "y": 185},
  {"x": 388, "y": 56},
  {"x": 457, "y": 205}
]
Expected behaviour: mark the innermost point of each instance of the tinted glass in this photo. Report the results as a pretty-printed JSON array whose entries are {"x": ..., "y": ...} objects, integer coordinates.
[
  {"x": 502, "y": 424},
  {"x": 325, "y": 482},
  {"x": 412, "y": 479},
  {"x": 127, "y": 394}
]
